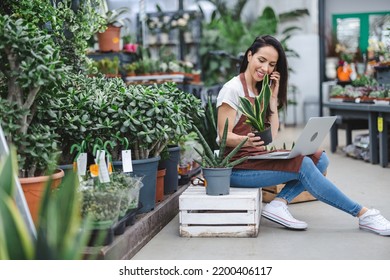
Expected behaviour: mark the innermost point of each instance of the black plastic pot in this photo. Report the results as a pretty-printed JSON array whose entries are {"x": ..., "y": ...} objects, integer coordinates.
[
  {"x": 265, "y": 135},
  {"x": 171, "y": 179}
]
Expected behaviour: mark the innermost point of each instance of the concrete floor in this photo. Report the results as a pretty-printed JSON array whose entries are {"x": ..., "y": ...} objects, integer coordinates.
[{"x": 332, "y": 234}]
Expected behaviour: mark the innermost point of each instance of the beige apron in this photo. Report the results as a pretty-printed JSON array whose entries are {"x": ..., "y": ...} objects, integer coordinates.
[{"x": 290, "y": 165}]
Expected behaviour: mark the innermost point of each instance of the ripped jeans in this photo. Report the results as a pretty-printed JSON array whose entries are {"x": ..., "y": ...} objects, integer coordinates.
[{"x": 310, "y": 177}]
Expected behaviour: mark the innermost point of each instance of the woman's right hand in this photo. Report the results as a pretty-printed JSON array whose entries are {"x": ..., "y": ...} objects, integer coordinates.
[{"x": 255, "y": 141}]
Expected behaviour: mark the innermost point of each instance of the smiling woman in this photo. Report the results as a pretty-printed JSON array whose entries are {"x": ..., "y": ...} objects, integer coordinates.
[{"x": 299, "y": 173}]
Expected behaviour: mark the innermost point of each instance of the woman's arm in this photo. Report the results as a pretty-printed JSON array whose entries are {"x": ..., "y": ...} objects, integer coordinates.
[{"x": 227, "y": 112}]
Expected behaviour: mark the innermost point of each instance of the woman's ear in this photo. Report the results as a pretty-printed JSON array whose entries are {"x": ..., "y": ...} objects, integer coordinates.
[{"x": 249, "y": 55}]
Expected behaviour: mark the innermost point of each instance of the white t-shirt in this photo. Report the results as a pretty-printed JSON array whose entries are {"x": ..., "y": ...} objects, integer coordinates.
[{"x": 230, "y": 93}]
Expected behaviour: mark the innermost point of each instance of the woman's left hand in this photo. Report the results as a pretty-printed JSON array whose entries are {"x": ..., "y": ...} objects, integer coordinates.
[{"x": 275, "y": 77}]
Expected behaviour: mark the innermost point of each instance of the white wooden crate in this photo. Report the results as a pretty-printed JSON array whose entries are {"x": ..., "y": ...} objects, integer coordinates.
[{"x": 234, "y": 215}]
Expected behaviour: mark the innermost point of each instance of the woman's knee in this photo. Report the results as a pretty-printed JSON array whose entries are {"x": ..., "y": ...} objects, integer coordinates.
[{"x": 323, "y": 163}]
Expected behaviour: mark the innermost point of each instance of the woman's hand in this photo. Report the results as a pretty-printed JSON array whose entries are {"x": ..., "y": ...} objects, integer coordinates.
[
  {"x": 255, "y": 141},
  {"x": 274, "y": 78}
]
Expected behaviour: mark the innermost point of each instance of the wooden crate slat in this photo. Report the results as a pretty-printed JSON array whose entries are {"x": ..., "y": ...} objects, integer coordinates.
[
  {"x": 217, "y": 218},
  {"x": 192, "y": 203},
  {"x": 219, "y": 231}
]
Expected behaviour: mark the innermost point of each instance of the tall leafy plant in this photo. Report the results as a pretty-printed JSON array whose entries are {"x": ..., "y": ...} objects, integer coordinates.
[{"x": 41, "y": 42}]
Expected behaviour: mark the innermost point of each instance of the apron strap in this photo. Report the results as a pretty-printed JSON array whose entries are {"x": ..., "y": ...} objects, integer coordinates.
[{"x": 244, "y": 85}]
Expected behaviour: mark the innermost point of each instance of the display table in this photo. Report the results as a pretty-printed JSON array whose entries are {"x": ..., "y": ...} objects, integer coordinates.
[{"x": 377, "y": 118}]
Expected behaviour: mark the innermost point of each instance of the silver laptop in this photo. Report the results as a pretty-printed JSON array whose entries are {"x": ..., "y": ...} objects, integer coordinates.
[{"x": 308, "y": 142}]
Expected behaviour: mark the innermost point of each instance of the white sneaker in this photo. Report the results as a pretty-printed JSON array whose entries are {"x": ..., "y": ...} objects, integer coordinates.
[
  {"x": 373, "y": 221},
  {"x": 280, "y": 214}
]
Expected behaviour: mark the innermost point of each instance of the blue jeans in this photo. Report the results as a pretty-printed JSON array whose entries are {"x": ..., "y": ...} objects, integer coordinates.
[{"x": 310, "y": 177}]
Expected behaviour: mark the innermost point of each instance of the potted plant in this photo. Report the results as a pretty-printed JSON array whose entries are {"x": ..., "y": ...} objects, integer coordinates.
[
  {"x": 21, "y": 52},
  {"x": 256, "y": 112},
  {"x": 38, "y": 50},
  {"x": 131, "y": 68},
  {"x": 102, "y": 202},
  {"x": 189, "y": 111},
  {"x": 109, "y": 34},
  {"x": 216, "y": 166},
  {"x": 82, "y": 113},
  {"x": 108, "y": 66},
  {"x": 150, "y": 118},
  {"x": 127, "y": 46}
]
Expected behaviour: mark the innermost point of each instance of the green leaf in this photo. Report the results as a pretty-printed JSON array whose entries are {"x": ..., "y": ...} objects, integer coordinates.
[{"x": 15, "y": 238}]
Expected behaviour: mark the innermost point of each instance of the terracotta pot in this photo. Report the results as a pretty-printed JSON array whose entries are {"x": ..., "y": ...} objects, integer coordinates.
[
  {"x": 113, "y": 75},
  {"x": 196, "y": 78},
  {"x": 160, "y": 185},
  {"x": 109, "y": 40},
  {"x": 34, "y": 188}
]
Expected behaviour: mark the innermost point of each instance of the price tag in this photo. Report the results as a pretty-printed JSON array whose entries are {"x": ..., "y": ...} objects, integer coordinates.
[
  {"x": 126, "y": 161},
  {"x": 82, "y": 164},
  {"x": 380, "y": 124}
]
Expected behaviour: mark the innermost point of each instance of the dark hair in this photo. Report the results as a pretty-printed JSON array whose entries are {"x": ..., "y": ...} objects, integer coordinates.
[{"x": 281, "y": 66}]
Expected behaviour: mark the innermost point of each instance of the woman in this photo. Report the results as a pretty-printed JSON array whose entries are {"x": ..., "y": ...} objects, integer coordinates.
[{"x": 266, "y": 56}]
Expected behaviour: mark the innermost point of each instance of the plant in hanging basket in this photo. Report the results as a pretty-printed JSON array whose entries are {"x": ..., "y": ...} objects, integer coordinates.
[{"x": 256, "y": 113}]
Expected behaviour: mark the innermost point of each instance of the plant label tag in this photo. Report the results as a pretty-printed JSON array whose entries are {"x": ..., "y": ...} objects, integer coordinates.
[
  {"x": 216, "y": 152},
  {"x": 104, "y": 176},
  {"x": 100, "y": 156},
  {"x": 127, "y": 164},
  {"x": 82, "y": 164}
]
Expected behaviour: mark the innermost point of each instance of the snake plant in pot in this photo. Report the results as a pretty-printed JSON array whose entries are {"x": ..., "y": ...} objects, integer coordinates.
[
  {"x": 256, "y": 113},
  {"x": 216, "y": 167}
]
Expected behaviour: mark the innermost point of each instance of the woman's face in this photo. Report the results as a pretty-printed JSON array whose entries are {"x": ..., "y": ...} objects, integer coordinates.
[{"x": 262, "y": 62}]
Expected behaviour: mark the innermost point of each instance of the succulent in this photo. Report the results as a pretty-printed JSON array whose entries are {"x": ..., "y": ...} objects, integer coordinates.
[{"x": 212, "y": 160}]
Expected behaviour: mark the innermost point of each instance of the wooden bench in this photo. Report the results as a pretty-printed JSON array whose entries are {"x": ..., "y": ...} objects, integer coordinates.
[{"x": 234, "y": 215}]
